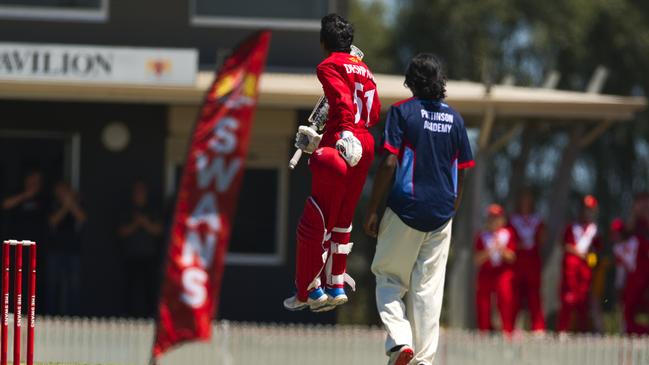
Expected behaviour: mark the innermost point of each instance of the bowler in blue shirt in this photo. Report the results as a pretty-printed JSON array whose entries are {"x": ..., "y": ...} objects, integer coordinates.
[{"x": 427, "y": 152}]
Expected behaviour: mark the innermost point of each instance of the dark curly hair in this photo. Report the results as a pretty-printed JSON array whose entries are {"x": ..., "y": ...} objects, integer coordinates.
[
  {"x": 336, "y": 33},
  {"x": 425, "y": 77}
]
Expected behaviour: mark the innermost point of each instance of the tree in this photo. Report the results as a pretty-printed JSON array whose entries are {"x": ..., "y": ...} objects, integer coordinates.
[
  {"x": 374, "y": 35},
  {"x": 486, "y": 40}
]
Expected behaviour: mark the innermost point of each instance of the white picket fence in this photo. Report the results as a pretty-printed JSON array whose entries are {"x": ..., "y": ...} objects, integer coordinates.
[{"x": 118, "y": 341}]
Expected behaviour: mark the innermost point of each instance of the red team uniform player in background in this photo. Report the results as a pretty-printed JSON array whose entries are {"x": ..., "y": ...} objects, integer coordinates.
[
  {"x": 339, "y": 165},
  {"x": 632, "y": 261},
  {"x": 494, "y": 256},
  {"x": 581, "y": 239},
  {"x": 638, "y": 222},
  {"x": 530, "y": 231}
]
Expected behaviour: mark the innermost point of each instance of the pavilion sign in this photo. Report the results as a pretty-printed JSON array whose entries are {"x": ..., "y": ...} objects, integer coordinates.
[{"x": 91, "y": 64}]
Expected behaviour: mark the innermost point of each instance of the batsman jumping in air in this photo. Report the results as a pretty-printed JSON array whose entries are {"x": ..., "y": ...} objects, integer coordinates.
[{"x": 339, "y": 162}]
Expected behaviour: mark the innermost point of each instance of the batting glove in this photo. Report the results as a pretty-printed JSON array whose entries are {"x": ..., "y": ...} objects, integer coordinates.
[
  {"x": 350, "y": 148},
  {"x": 307, "y": 139}
]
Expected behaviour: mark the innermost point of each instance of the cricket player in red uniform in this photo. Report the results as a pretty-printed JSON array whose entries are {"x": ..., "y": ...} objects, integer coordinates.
[
  {"x": 632, "y": 260},
  {"x": 529, "y": 229},
  {"x": 494, "y": 256},
  {"x": 580, "y": 241},
  {"x": 339, "y": 164},
  {"x": 638, "y": 222}
]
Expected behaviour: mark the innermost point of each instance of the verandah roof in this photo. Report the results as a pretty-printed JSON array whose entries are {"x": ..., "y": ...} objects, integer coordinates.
[{"x": 302, "y": 90}]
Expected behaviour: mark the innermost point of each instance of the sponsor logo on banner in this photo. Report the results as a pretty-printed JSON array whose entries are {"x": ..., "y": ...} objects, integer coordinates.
[{"x": 159, "y": 67}]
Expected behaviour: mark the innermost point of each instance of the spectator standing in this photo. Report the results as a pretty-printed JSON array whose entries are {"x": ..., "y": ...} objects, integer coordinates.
[
  {"x": 27, "y": 210},
  {"x": 495, "y": 254},
  {"x": 530, "y": 232},
  {"x": 140, "y": 231},
  {"x": 581, "y": 240},
  {"x": 63, "y": 264}
]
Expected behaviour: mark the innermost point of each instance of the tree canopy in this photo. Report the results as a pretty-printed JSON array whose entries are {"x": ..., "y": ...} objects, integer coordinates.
[
  {"x": 522, "y": 38},
  {"x": 526, "y": 40}
]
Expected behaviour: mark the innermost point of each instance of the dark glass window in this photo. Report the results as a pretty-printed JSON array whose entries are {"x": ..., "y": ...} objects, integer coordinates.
[
  {"x": 56, "y": 4},
  {"x": 282, "y": 9},
  {"x": 254, "y": 229}
]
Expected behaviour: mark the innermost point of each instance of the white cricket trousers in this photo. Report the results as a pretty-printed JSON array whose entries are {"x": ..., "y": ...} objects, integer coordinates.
[{"x": 410, "y": 266}]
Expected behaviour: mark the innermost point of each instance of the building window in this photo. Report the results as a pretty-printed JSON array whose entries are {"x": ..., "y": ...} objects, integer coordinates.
[
  {"x": 259, "y": 225},
  {"x": 277, "y": 14},
  {"x": 254, "y": 230},
  {"x": 55, "y": 10}
]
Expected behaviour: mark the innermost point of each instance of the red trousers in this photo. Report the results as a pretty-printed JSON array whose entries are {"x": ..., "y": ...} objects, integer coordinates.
[
  {"x": 324, "y": 229},
  {"x": 500, "y": 282},
  {"x": 528, "y": 286},
  {"x": 575, "y": 289},
  {"x": 634, "y": 301}
]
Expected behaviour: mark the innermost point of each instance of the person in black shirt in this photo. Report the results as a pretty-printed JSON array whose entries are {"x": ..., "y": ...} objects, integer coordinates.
[
  {"x": 63, "y": 266},
  {"x": 26, "y": 211},
  {"x": 140, "y": 231}
]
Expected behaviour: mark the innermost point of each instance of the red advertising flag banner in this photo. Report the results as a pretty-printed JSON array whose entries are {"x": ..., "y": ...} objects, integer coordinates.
[{"x": 207, "y": 199}]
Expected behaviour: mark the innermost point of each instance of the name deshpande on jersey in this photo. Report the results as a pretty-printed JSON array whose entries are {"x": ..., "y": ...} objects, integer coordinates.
[{"x": 359, "y": 70}]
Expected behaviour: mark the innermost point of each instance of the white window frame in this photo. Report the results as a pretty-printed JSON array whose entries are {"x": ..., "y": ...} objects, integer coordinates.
[
  {"x": 253, "y": 22},
  {"x": 71, "y": 153},
  {"x": 278, "y": 257},
  {"x": 55, "y": 14}
]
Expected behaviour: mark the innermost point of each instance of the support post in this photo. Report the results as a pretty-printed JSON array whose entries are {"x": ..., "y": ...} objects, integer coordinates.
[
  {"x": 462, "y": 273},
  {"x": 519, "y": 165},
  {"x": 559, "y": 199},
  {"x": 503, "y": 140},
  {"x": 594, "y": 133},
  {"x": 486, "y": 127}
]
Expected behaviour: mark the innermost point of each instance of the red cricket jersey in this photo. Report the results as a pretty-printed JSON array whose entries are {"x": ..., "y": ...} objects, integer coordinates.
[
  {"x": 641, "y": 227},
  {"x": 632, "y": 255},
  {"x": 582, "y": 236},
  {"x": 528, "y": 231},
  {"x": 490, "y": 241},
  {"x": 350, "y": 89}
]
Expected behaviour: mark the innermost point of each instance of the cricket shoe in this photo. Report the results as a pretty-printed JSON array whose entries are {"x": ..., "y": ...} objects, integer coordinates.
[
  {"x": 401, "y": 356},
  {"x": 336, "y": 296},
  {"x": 316, "y": 299}
]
